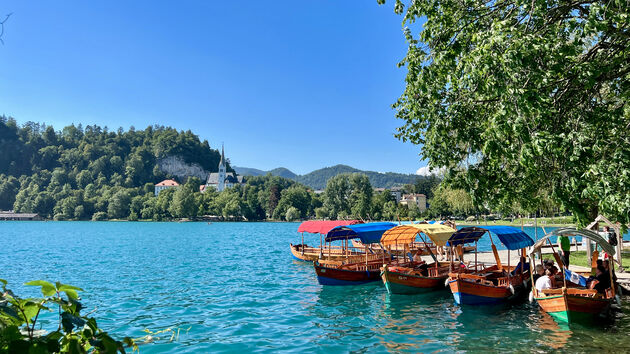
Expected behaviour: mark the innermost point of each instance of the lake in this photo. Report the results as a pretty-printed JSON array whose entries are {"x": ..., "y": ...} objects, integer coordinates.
[{"x": 234, "y": 287}]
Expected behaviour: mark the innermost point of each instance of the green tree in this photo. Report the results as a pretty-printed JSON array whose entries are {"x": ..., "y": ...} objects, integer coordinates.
[
  {"x": 9, "y": 187},
  {"x": 336, "y": 195},
  {"x": 361, "y": 196},
  {"x": 184, "y": 204},
  {"x": 379, "y": 201},
  {"x": 517, "y": 97},
  {"x": 292, "y": 214},
  {"x": 296, "y": 197},
  {"x": 118, "y": 206}
]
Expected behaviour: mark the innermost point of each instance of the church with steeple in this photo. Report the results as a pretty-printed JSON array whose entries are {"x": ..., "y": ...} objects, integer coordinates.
[{"x": 222, "y": 179}]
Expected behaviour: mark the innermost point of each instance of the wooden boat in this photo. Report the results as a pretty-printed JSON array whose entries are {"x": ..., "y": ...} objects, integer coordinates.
[
  {"x": 409, "y": 274},
  {"x": 353, "y": 270},
  {"x": 571, "y": 302},
  {"x": 491, "y": 286},
  {"x": 497, "y": 283},
  {"x": 354, "y": 273},
  {"x": 413, "y": 278},
  {"x": 304, "y": 252}
]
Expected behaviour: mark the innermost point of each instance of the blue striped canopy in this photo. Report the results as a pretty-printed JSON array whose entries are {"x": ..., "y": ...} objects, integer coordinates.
[
  {"x": 367, "y": 233},
  {"x": 466, "y": 235},
  {"x": 511, "y": 237}
]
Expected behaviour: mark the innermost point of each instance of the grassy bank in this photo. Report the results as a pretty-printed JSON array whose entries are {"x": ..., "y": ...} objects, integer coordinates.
[{"x": 579, "y": 258}]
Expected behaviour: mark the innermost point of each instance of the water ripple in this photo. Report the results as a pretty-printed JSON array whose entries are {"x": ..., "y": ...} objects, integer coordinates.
[{"x": 234, "y": 287}]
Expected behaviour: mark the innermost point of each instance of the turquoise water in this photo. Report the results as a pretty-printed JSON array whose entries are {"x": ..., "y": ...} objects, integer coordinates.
[{"x": 234, "y": 287}]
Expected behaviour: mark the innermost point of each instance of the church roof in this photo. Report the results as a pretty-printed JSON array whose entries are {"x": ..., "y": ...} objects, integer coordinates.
[
  {"x": 213, "y": 178},
  {"x": 222, "y": 162}
]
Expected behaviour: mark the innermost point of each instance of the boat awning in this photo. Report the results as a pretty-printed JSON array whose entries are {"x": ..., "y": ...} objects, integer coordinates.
[
  {"x": 403, "y": 234},
  {"x": 511, "y": 237},
  {"x": 367, "y": 233},
  {"x": 570, "y": 231},
  {"x": 466, "y": 235},
  {"x": 323, "y": 226}
]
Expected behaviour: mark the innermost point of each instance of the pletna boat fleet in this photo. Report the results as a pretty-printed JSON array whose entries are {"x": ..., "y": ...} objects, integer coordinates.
[{"x": 397, "y": 255}]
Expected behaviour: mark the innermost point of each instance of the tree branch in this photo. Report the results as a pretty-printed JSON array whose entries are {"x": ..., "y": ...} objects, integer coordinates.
[{"x": 2, "y": 27}]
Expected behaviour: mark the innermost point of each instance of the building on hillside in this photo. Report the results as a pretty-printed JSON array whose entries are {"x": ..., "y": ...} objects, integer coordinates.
[
  {"x": 418, "y": 199},
  {"x": 396, "y": 192},
  {"x": 10, "y": 215},
  {"x": 165, "y": 184},
  {"x": 222, "y": 179}
]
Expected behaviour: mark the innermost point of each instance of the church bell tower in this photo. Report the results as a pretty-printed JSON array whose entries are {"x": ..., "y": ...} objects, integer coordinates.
[{"x": 221, "y": 179}]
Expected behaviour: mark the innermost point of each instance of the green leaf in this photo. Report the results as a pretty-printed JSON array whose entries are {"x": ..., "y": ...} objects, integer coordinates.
[
  {"x": 71, "y": 294},
  {"x": 48, "y": 289},
  {"x": 62, "y": 287}
]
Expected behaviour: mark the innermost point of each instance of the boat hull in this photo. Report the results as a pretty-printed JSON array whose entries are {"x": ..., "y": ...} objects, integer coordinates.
[
  {"x": 470, "y": 293},
  {"x": 573, "y": 309},
  {"x": 305, "y": 257},
  {"x": 398, "y": 283},
  {"x": 312, "y": 254},
  {"x": 334, "y": 276}
]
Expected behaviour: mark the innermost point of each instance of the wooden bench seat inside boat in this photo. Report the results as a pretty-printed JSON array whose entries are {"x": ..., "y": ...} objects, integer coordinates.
[{"x": 571, "y": 291}]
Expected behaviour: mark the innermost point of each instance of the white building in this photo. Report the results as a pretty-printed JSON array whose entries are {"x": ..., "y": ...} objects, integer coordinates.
[
  {"x": 165, "y": 184},
  {"x": 419, "y": 200}
]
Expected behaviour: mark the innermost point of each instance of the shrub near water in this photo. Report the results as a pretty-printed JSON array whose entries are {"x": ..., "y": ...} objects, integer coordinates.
[{"x": 75, "y": 333}]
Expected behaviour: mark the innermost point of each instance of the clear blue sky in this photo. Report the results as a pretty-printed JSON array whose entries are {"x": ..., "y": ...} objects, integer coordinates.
[{"x": 299, "y": 84}]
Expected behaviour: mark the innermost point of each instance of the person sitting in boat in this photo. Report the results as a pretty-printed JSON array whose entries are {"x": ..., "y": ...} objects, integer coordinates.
[
  {"x": 548, "y": 263},
  {"x": 556, "y": 276},
  {"x": 601, "y": 281},
  {"x": 544, "y": 281},
  {"x": 540, "y": 271}
]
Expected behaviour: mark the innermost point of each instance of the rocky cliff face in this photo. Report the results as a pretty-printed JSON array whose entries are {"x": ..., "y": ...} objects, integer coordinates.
[{"x": 175, "y": 165}]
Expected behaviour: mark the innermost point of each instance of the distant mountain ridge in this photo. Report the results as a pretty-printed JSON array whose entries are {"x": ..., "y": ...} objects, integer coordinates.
[{"x": 317, "y": 179}]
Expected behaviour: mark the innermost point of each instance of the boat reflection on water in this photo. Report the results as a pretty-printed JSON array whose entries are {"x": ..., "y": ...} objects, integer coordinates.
[
  {"x": 553, "y": 334},
  {"x": 410, "y": 325}
]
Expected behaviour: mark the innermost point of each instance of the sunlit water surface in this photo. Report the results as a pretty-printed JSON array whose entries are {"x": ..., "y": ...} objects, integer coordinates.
[{"x": 234, "y": 287}]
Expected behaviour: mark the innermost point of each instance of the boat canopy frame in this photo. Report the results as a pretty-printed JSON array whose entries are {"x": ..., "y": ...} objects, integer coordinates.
[
  {"x": 367, "y": 233},
  {"x": 403, "y": 234},
  {"x": 323, "y": 226},
  {"x": 570, "y": 231}
]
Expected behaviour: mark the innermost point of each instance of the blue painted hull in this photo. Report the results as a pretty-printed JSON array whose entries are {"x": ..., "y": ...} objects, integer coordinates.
[
  {"x": 300, "y": 259},
  {"x": 468, "y": 299},
  {"x": 332, "y": 281}
]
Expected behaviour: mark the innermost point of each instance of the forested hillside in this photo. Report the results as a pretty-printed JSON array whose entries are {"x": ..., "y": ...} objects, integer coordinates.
[
  {"x": 74, "y": 172},
  {"x": 91, "y": 173},
  {"x": 317, "y": 179}
]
